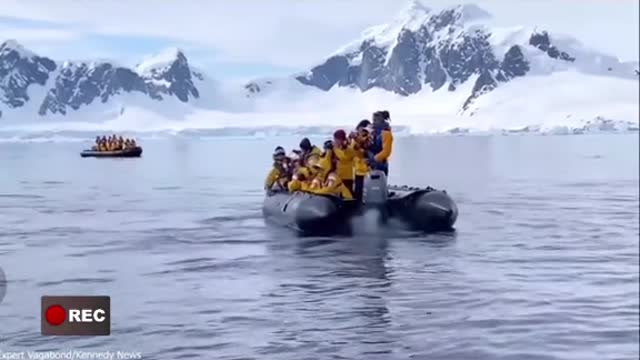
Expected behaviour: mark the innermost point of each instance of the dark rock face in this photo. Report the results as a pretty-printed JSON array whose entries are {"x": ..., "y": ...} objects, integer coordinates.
[
  {"x": 418, "y": 59},
  {"x": 542, "y": 42},
  {"x": 403, "y": 69},
  {"x": 179, "y": 77},
  {"x": 18, "y": 70},
  {"x": 73, "y": 85},
  {"x": 81, "y": 84},
  {"x": 328, "y": 74},
  {"x": 439, "y": 52},
  {"x": 514, "y": 64}
]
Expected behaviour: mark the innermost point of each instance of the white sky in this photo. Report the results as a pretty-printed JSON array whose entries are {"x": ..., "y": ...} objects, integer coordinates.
[{"x": 283, "y": 34}]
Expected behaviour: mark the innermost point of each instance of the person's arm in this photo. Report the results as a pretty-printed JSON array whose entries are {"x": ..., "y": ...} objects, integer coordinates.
[
  {"x": 333, "y": 181},
  {"x": 387, "y": 142},
  {"x": 294, "y": 184},
  {"x": 345, "y": 154},
  {"x": 272, "y": 177}
]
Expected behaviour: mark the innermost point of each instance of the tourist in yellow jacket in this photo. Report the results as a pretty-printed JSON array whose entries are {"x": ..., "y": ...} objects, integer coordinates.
[
  {"x": 304, "y": 174},
  {"x": 344, "y": 154},
  {"x": 327, "y": 181},
  {"x": 277, "y": 177},
  {"x": 307, "y": 149},
  {"x": 360, "y": 141}
]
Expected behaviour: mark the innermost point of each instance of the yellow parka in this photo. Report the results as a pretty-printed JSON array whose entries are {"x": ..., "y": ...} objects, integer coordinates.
[{"x": 345, "y": 161}]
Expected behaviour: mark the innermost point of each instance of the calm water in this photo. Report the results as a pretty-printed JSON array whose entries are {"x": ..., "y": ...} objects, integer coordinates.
[{"x": 544, "y": 264}]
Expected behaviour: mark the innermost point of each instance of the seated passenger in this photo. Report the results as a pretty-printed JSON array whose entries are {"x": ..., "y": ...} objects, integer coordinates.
[
  {"x": 96, "y": 147},
  {"x": 110, "y": 143},
  {"x": 103, "y": 144},
  {"x": 300, "y": 180},
  {"x": 133, "y": 143},
  {"x": 327, "y": 155},
  {"x": 327, "y": 181},
  {"x": 306, "y": 149},
  {"x": 310, "y": 172},
  {"x": 121, "y": 143},
  {"x": 277, "y": 178}
]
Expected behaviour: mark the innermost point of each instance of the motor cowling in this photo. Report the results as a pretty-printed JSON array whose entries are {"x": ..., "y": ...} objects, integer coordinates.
[{"x": 375, "y": 191}]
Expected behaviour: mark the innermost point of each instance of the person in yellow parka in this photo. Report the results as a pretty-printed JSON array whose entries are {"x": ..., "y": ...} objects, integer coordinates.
[
  {"x": 327, "y": 181},
  {"x": 277, "y": 177},
  {"x": 306, "y": 149},
  {"x": 344, "y": 154},
  {"x": 302, "y": 175},
  {"x": 327, "y": 155},
  {"x": 103, "y": 144}
]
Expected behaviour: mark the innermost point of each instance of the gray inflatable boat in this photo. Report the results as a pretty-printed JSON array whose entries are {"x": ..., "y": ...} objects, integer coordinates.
[{"x": 427, "y": 210}]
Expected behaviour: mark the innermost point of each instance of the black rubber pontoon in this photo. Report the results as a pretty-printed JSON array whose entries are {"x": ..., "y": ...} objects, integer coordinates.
[
  {"x": 133, "y": 152},
  {"x": 426, "y": 210},
  {"x": 309, "y": 213},
  {"x": 423, "y": 209}
]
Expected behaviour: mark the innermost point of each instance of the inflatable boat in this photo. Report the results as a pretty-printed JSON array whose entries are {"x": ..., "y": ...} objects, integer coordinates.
[
  {"x": 427, "y": 210},
  {"x": 132, "y": 152}
]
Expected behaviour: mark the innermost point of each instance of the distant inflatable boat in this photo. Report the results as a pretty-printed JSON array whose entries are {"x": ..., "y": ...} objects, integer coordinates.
[
  {"x": 132, "y": 152},
  {"x": 427, "y": 210}
]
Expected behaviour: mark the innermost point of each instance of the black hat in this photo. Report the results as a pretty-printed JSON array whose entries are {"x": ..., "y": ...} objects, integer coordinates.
[
  {"x": 279, "y": 153},
  {"x": 305, "y": 144},
  {"x": 363, "y": 124}
]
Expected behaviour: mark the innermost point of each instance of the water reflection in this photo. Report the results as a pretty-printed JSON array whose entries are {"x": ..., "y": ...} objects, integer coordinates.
[{"x": 339, "y": 286}]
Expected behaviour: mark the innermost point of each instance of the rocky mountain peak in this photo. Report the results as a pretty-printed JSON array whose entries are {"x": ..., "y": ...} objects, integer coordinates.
[
  {"x": 162, "y": 61},
  {"x": 168, "y": 72},
  {"x": 70, "y": 85},
  {"x": 413, "y": 12},
  {"x": 422, "y": 48},
  {"x": 12, "y": 45},
  {"x": 19, "y": 68}
]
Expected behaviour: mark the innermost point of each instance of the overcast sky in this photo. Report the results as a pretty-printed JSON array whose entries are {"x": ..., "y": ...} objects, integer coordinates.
[{"x": 246, "y": 38}]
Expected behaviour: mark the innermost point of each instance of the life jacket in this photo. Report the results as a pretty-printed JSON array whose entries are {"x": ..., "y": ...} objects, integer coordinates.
[
  {"x": 376, "y": 147},
  {"x": 376, "y": 144}
]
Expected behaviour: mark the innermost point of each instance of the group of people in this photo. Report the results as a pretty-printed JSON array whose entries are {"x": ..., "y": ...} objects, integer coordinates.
[
  {"x": 113, "y": 143},
  {"x": 340, "y": 167}
]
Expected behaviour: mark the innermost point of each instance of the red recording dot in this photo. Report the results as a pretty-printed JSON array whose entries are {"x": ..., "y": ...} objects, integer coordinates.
[{"x": 55, "y": 315}]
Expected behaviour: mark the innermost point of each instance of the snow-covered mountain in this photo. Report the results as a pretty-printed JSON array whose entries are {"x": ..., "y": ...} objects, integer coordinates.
[
  {"x": 33, "y": 85},
  {"x": 423, "y": 50},
  {"x": 435, "y": 70}
]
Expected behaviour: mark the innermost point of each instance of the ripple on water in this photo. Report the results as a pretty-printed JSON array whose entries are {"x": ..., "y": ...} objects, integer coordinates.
[{"x": 539, "y": 268}]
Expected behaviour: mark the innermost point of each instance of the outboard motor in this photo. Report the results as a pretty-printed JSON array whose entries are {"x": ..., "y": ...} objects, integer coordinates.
[{"x": 375, "y": 192}]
